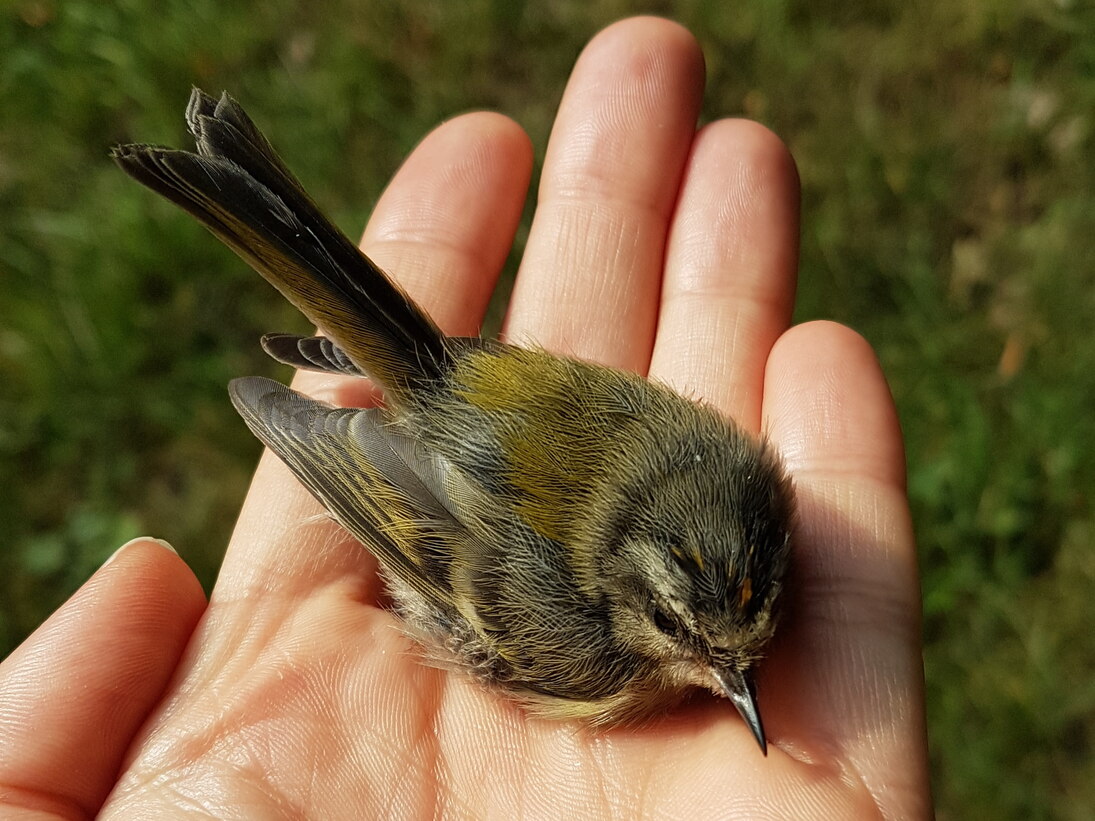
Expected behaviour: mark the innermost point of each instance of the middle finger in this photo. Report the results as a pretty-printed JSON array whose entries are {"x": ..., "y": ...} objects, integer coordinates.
[{"x": 589, "y": 281}]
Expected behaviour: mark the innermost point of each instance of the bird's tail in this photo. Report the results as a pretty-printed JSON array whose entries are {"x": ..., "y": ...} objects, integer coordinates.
[{"x": 238, "y": 187}]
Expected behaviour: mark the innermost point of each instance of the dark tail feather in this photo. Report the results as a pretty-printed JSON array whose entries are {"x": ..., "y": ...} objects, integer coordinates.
[
  {"x": 310, "y": 353},
  {"x": 238, "y": 187}
]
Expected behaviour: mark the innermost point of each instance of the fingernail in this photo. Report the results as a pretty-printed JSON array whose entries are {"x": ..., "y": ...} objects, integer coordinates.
[{"x": 146, "y": 539}]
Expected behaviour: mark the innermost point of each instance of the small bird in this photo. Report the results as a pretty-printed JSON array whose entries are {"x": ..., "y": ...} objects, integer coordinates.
[{"x": 582, "y": 538}]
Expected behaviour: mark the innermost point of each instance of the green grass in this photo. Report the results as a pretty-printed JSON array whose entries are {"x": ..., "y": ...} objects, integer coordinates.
[{"x": 949, "y": 215}]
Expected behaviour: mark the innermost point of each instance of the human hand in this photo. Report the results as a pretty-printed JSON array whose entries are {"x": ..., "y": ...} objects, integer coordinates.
[{"x": 654, "y": 248}]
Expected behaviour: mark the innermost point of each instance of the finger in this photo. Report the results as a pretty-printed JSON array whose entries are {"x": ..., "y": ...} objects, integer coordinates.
[
  {"x": 591, "y": 273},
  {"x": 74, "y": 694},
  {"x": 445, "y": 225},
  {"x": 730, "y": 268},
  {"x": 442, "y": 229},
  {"x": 846, "y": 673}
]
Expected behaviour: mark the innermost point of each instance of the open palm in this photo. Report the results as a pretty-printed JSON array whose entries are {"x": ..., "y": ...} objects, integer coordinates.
[{"x": 655, "y": 248}]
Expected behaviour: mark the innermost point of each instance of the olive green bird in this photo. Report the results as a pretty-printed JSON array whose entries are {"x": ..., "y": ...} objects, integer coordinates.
[{"x": 581, "y": 537}]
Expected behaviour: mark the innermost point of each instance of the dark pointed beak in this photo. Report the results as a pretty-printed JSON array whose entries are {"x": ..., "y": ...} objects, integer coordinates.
[{"x": 738, "y": 687}]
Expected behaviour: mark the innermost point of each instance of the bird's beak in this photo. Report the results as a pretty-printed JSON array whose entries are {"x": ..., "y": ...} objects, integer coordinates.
[{"x": 738, "y": 687}]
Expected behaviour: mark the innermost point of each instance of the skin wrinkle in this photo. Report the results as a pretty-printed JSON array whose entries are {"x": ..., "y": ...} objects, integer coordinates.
[
  {"x": 410, "y": 241},
  {"x": 583, "y": 767},
  {"x": 521, "y": 743},
  {"x": 852, "y": 667},
  {"x": 745, "y": 205},
  {"x": 865, "y": 756},
  {"x": 42, "y": 803},
  {"x": 308, "y": 689},
  {"x": 506, "y": 746},
  {"x": 740, "y": 294},
  {"x": 699, "y": 259},
  {"x": 623, "y": 207},
  {"x": 181, "y": 799},
  {"x": 596, "y": 232},
  {"x": 583, "y": 169},
  {"x": 215, "y": 660},
  {"x": 731, "y": 334},
  {"x": 640, "y": 798},
  {"x": 884, "y": 603},
  {"x": 598, "y": 755},
  {"x": 231, "y": 723},
  {"x": 473, "y": 166},
  {"x": 25, "y": 690},
  {"x": 636, "y": 98},
  {"x": 591, "y": 178},
  {"x": 687, "y": 295},
  {"x": 890, "y": 789},
  {"x": 821, "y": 398},
  {"x": 737, "y": 172},
  {"x": 373, "y": 753},
  {"x": 830, "y": 502},
  {"x": 745, "y": 192},
  {"x": 456, "y": 186},
  {"x": 835, "y": 464},
  {"x": 423, "y": 747},
  {"x": 586, "y": 232},
  {"x": 184, "y": 792},
  {"x": 417, "y": 749},
  {"x": 874, "y": 686},
  {"x": 421, "y": 229},
  {"x": 825, "y": 601}
]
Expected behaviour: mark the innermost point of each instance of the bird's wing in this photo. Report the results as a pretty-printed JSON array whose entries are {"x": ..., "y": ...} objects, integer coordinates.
[{"x": 377, "y": 482}]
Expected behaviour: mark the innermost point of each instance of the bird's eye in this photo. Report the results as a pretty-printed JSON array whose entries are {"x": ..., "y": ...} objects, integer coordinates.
[{"x": 666, "y": 623}]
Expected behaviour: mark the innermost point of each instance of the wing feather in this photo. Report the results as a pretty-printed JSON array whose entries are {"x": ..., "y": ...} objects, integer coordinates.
[{"x": 377, "y": 482}]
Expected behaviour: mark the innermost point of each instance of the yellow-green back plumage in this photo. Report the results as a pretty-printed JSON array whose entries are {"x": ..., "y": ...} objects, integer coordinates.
[{"x": 561, "y": 429}]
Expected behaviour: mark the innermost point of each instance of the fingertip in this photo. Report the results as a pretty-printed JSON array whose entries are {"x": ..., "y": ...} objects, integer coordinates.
[
  {"x": 149, "y": 563},
  {"x": 470, "y": 148},
  {"x": 628, "y": 116},
  {"x": 640, "y": 32},
  {"x": 475, "y": 154},
  {"x": 137, "y": 544},
  {"x": 819, "y": 340},
  {"x": 501, "y": 135},
  {"x": 735, "y": 232},
  {"x": 763, "y": 170},
  {"x": 827, "y": 403},
  {"x": 754, "y": 143}
]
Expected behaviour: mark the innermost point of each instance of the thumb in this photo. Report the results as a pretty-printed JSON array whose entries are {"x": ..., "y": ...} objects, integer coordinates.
[{"x": 74, "y": 694}]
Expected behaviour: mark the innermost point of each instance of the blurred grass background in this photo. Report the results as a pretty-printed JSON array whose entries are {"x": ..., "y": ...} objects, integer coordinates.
[{"x": 949, "y": 215}]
